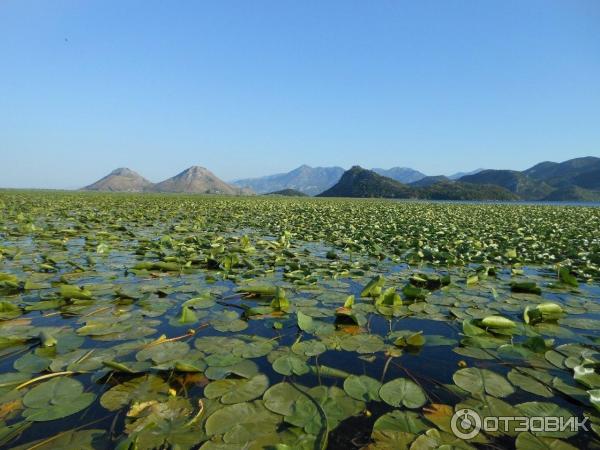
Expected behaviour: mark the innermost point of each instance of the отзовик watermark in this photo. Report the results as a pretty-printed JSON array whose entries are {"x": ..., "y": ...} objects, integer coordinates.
[{"x": 467, "y": 423}]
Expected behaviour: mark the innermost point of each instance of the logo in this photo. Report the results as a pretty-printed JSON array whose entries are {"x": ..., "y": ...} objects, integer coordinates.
[{"x": 465, "y": 423}]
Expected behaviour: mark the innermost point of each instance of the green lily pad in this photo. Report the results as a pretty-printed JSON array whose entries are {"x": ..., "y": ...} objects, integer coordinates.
[
  {"x": 290, "y": 365},
  {"x": 480, "y": 381},
  {"x": 254, "y": 349},
  {"x": 529, "y": 384},
  {"x": 236, "y": 422},
  {"x": 88, "y": 439},
  {"x": 403, "y": 392},
  {"x": 173, "y": 423},
  {"x": 528, "y": 441},
  {"x": 309, "y": 348},
  {"x": 237, "y": 390},
  {"x": 362, "y": 387},
  {"x": 31, "y": 363},
  {"x": 401, "y": 421},
  {"x": 147, "y": 387},
  {"x": 363, "y": 343},
  {"x": 163, "y": 352},
  {"x": 9, "y": 310},
  {"x": 54, "y": 399}
]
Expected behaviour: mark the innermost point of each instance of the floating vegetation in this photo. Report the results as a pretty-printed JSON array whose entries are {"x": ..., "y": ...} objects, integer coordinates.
[{"x": 171, "y": 321}]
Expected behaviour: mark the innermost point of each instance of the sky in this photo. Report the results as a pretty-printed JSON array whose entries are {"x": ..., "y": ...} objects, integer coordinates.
[{"x": 251, "y": 88}]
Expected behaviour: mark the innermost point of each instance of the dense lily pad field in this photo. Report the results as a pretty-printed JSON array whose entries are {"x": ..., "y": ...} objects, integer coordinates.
[{"x": 167, "y": 321}]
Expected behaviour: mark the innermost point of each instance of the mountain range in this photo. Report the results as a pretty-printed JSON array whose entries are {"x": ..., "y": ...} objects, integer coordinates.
[
  {"x": 359, "y": 182},
  {"x": 573, "y": 180},
  {"x": 314, "y": 180},
  {"x": 306, "y": 179}
]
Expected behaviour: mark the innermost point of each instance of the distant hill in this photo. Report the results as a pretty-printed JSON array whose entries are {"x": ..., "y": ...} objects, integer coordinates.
[
  {"x": 310, "y": 180},
  {"x": 402, "y": 174},
  {"x": 193, "y": 180},
  {"x": 428, "y": 181},
  {"x": 573, "y": 180},
  {"x": 288, "y": 193},
  {"x": 518, "y": 183},
  {"x": 121, "y": 180},
  {"x": 359, "y": 182},
  {"x": 581, "y": 172},
  {"x": 196, "y": 180},
  {"x": 457, "y": 175}
]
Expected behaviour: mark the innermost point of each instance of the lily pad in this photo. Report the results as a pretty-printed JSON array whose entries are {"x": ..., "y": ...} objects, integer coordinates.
[
  {"x": 237, "y": 390},
  {"x": 480, "y": 381},
  {"x": 362, "y": 387},
  {"x": 54, "y": 399},
  {"x": 147, "y": 387},
  {"x": 403, "y": 392}
]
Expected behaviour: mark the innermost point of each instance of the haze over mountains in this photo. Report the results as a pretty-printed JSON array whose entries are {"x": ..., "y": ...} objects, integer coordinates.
[
  {"x": 401, "y": 174},
  {"x": 575, "y": 180},
  {"x": 306, "y": 179},
  {"x": 314, "y": 180}
]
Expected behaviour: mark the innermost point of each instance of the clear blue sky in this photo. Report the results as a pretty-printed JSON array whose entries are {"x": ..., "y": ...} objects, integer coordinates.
[{"x": 249, "y": 88}]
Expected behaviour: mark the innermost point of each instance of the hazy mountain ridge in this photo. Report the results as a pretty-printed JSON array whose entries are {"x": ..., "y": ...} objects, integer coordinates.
[
  {"x": 457, "y": 175},
  {"x": 402, "y": 174},
  {"x": 428, "y": 181},
  {"x": 306, "y": 179},
  {"x": 314, "y": 180}
]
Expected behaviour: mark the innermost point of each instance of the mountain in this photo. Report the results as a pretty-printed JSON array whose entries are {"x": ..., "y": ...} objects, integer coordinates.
[
  {"x": 428, "y": 181},
  {"x": 359, "y": 182},
  {"x": 525, "y": 187},
  {"x": 197, "y": 180},
  {"x": 401, "y": 174},
  {"x": 288, "y": 193},
  {"x": 581, "y": 172},
  {"x": 457, "y": 175},
  {"x": 121, "y": 180},
  {"x": 576, "y": 179},
  {"x": 310, "y": 180}
]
